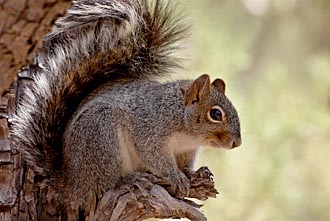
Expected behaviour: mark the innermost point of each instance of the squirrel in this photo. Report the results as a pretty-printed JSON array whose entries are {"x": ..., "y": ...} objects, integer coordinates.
[{"x": 97, "y": 112}]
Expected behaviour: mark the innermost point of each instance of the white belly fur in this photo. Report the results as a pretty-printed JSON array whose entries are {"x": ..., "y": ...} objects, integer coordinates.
[
  {"x": 131, "y": 162},
  {"x": 179, "y": 143}
]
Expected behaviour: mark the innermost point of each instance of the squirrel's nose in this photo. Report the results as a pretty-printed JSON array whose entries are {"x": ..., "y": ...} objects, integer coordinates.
[{"x": 237, "y": 142}]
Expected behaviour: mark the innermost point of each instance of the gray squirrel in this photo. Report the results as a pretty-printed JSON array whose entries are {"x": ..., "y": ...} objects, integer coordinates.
[{"x": 97, "y": 112}]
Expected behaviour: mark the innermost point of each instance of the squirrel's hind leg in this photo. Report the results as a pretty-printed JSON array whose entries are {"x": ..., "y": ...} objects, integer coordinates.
[{"x": 93, "y": 162}]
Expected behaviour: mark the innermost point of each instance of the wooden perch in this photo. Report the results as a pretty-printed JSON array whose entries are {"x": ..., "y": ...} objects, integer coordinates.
[{"x": 138, "y": 197}]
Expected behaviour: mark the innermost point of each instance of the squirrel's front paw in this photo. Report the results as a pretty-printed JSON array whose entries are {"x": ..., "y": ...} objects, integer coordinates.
[{"x": 179, "y": 185}]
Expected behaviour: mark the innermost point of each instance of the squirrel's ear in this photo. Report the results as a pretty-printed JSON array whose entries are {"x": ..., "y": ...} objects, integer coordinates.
[
  {"x": 220, "y": 85},
  {"x": 198, "y": 89}
]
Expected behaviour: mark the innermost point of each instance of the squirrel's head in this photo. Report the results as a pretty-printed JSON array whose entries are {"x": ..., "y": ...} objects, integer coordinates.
[{"x": 210, "y": 115}]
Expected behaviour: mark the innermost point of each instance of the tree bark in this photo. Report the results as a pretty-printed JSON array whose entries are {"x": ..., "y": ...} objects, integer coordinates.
[{"x": 23, "y": 23}]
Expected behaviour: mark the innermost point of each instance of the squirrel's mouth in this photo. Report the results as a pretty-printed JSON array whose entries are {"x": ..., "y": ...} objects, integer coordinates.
[{"x": 220, "y": 145}]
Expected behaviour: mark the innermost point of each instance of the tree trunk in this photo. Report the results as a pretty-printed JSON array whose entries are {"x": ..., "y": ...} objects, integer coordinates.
[
  {"x": 23, "y": 23},
  {"x": 22, "y": 26}
]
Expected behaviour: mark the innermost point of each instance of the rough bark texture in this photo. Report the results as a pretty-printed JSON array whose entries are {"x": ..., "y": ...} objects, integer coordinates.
[
  {"x": 22, "y": 26},
  {"x": 144, "y": 196},
  {"x": 10, "y": 163},
  {"x": 23, "y": 23}
]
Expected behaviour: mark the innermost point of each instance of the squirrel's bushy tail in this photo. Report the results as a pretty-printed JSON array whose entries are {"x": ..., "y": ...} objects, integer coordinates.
[{"x": 97, "y": 42}]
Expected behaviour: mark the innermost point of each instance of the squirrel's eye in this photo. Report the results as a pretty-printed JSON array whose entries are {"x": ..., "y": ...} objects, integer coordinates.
[{"x": 215, "y": 115}]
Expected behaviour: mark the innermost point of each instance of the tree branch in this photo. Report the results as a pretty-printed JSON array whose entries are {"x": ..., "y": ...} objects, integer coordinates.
[{"x": 145, "y": 196}]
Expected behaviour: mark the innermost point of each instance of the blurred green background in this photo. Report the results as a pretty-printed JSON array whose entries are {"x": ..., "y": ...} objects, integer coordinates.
[{"x": 275, "y": 59}]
